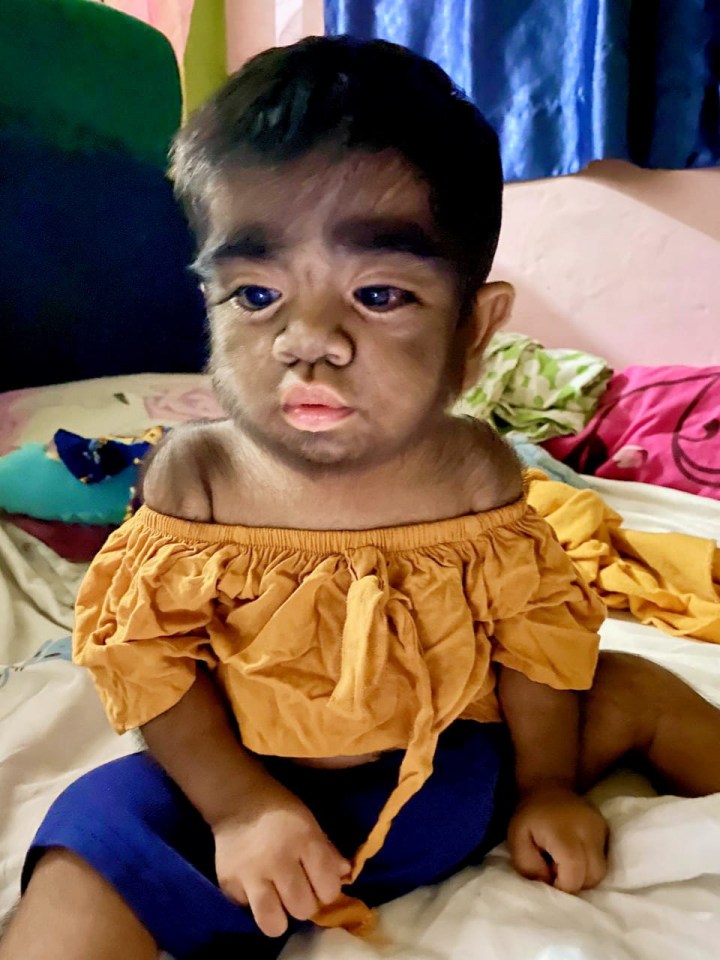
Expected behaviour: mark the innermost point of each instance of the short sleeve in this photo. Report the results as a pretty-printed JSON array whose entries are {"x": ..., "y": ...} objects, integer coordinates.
[
  {"x": 548, "y": 617},
  {"x": 141, "y": 623}
]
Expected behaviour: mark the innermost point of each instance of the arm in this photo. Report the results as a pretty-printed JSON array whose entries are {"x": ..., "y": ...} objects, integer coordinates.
[
  {"x": 195, "y": 741},
  {"x": 270, "y": 852},
  {"x": 196, "y": 745},
  {"x": 555, "y": 835},
  {"x": 545, "y": 730}
]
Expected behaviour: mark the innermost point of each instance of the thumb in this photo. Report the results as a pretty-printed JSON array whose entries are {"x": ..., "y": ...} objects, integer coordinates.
[{"x": 529, "y": 861}]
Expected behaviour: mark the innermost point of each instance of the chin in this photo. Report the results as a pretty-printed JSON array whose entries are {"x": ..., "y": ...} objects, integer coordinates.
[
  {"x": 306, "y": 451},
  {"x": 322, "y": 450}
]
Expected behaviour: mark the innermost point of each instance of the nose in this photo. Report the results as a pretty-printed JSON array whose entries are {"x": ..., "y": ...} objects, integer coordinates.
[{"x": 314, "y": 336}]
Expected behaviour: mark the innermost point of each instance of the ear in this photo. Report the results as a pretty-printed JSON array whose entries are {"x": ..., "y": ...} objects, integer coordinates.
[{"x": 489, "y": 311}]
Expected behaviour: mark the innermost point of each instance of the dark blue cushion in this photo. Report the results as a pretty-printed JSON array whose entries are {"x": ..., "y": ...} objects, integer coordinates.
[{"x": 93, "y": 269}]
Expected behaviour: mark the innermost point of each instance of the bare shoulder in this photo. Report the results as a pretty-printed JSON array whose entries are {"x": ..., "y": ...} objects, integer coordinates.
[
  {"x": 182, "y": 475},
  {"x": 495, "y": 474}
]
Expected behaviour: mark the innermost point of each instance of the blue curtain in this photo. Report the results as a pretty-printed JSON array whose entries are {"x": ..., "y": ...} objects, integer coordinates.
[{"x": 565, "y": 82}]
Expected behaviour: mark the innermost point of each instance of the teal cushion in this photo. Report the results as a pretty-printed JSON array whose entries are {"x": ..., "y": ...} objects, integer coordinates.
[{"x": 33, "y": 484}]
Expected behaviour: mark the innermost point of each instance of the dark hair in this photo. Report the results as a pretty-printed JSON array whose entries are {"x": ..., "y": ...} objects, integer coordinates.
[{"x": 337, "y": 92}]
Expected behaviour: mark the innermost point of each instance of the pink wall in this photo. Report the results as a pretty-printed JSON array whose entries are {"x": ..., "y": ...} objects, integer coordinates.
[
  {"x": 255, "y": 25},
  {"x": 620, "y": 261}
]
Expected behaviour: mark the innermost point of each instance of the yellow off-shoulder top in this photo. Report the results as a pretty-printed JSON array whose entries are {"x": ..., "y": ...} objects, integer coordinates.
[{"x": 331, "y": 643}]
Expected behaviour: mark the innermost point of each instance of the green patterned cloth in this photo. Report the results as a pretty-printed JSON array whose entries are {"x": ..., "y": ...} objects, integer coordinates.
[{"x": 539, "y": 392}]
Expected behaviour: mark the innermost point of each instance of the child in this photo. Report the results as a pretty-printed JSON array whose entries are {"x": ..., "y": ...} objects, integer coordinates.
[{"x": 353, "y": 650}]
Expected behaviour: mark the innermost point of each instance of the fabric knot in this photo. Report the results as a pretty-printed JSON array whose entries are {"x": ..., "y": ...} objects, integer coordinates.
[{"x": 365, "y": 635}]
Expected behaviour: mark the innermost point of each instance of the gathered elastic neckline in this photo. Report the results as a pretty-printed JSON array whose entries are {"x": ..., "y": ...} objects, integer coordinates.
[{"x": 411, "y": 537}]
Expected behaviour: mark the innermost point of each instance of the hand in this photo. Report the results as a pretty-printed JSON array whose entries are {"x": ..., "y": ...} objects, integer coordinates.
[
  {"x": 278, "y": 861},
  {"x": 557, "y": 837}
]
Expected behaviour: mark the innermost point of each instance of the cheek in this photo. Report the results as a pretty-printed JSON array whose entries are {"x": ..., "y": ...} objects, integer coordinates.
[
  {"x": 424, "y": 357},
  {"x": 238, "y": 343},
  {"x": 413, "y": 370},
  {"x": 242, "y": 353},
  {"x": 229, "y": 333}
]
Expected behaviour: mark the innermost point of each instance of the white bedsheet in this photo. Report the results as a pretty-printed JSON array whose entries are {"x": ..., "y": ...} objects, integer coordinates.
[
  {"x": 660, "y": 901},
  {"x": 37, "y": 594}
]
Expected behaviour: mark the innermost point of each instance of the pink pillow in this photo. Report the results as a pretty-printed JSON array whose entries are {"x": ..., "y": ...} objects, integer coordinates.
[{"x": 656, "y": 425}]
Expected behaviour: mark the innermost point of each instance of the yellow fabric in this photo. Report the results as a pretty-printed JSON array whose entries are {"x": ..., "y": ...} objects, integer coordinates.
[
  {"x": 336, "y": 643},
  {"x": 669, "y": 580}
]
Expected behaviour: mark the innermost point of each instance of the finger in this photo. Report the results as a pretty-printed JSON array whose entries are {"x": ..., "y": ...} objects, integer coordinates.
[
  {"x": 597, "y": 865},
  {"x": 234, "y": 891},
  {"x": 267, "y": 909},
  {"x": 296, "y": 892},
  {"x": 325, "y": 869},
  {"x": 528, "y": 859},
  {"x": 570, "y": 866}
]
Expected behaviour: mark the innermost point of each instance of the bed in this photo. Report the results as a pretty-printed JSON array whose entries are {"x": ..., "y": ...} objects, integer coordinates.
[{"x": 661, "y": 898}]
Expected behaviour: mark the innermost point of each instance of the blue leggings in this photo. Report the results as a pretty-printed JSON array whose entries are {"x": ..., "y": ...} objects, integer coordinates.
[{"x": 130, "y": 822}]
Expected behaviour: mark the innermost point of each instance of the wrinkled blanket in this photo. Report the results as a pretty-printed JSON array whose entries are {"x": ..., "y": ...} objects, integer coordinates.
[{"x": 670, "y": 580}]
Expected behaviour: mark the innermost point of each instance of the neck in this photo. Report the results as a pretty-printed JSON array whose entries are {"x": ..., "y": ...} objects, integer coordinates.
[{"x": 369, "y": 494}]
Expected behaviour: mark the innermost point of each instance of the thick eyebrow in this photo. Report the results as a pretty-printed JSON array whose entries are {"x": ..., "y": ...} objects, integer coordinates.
[
  {"x": 249, "y": 242},
  {"x": 373, "y": 235},
  {"x": 386, "y": 235}
]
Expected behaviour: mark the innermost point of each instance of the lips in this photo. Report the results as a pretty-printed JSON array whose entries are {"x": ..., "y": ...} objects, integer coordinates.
[{"x": 314, "y": 408}]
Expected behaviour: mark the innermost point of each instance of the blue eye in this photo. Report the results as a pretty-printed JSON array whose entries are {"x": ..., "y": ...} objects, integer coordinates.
[
  {"x": 383, "y": 299},
  {"x": 255, "y": 298}
]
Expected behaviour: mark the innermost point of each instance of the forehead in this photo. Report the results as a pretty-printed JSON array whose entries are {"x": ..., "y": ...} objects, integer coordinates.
[{"x": 309, "y": 196}]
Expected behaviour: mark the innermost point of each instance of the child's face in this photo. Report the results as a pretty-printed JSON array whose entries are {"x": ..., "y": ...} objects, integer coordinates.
[{"x": 331, "y": 275}]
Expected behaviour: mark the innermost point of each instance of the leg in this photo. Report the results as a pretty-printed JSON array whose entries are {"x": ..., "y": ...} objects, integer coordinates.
[
  {"x": 71, "y": 913},
  {"x": 122, "y": 852},
  {"x": 124, "y": 846},
  {"x": 637, "y": 708}
]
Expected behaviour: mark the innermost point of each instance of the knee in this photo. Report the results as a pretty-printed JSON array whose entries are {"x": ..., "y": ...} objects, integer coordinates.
[
  {"x": 109, "y": 790},
  {"x": 637, "y": 689},
  {"x": 632, "y": 680},
  {"x": 110, "y": 801},
  {"x": 625, "y": 696}
]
